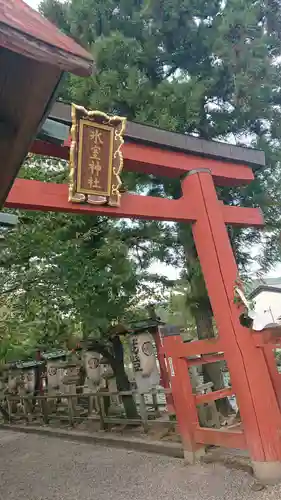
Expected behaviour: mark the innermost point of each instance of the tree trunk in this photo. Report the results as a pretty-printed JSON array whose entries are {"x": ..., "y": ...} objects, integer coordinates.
[
  {"x": 201, "y": 311},
  {"x": 212, "y": 372},
  {"x": 122, "y": 381},
  {"x": 123, "y": 384}
]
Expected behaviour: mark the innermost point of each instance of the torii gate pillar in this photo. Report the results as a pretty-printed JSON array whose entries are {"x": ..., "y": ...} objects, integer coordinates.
[{"x": 249, "y": 373}]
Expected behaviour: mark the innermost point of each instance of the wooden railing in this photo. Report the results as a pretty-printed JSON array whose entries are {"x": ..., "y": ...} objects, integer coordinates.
[{"x": 79, "y": 407}]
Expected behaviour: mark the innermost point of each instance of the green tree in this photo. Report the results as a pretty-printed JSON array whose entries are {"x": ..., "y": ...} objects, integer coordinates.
[
  {"x": 207, "y": 68},
  {"x": 66, "y": 278}
]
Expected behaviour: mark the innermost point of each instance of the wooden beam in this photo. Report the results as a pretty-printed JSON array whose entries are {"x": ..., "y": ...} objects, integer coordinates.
[
  {"x": 24, "y": 31},
  {"x": 45, "y": 196},
  {"x": 267, "y": 336},
  {"x": 7, "y": 129},
  {"x": 154, "y": 136},
  {"x": 209, "y": 358},
  {"x": 243, "y": 216},
  {"x": 27, "y": 90},
  {"x": 163, "y": 162},
  {"x": 214, "y": 395},
  {"x": 216, "y": 437},
  {"x": 188, "y": 349}
]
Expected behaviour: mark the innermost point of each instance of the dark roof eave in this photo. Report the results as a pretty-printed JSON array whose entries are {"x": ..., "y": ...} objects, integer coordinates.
[
  {"x": 46, "y": 53},
  {"x": 264, "y": 288},
  {"x": 147, "y": 134}
]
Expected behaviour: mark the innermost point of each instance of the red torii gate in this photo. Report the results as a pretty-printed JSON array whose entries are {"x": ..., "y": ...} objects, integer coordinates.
[{"x": 205, "y": 164}]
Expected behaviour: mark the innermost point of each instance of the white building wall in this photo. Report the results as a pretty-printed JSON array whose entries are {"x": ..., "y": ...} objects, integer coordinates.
[{"x": 268, "y": 307}]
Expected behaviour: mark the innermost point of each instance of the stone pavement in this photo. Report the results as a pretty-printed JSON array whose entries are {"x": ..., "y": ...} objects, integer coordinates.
[{"x": 36, "y": 467}]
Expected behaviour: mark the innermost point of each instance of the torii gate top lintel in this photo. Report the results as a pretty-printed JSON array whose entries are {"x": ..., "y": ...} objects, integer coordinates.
[{"x": 148, "y": 150}]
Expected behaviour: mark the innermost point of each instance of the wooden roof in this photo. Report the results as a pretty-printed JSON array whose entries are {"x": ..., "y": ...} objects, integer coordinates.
[
  {"x": 145, "y": 134},
  {"x": 264, "y": 288},
  {"x": 24, "y": 31},
  {"x": 34, "y": 54}
]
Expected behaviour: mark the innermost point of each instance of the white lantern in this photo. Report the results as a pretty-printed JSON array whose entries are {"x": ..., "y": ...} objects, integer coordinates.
[
  {"x": 144, "y": 362},
  {"x": 13, "y": 380},
  {"x": 29, "y": 380},
  {"x": 92, "y": 366},
  {"x": 54, "y": 374}
]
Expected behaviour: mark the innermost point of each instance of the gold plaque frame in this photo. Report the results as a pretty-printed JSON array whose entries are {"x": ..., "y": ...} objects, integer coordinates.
[{"x": 115, "y": 125}]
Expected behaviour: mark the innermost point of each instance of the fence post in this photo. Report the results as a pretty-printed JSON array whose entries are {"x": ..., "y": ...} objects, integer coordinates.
[
  {"x": 102, "y": 413},
  {"x": 43, "y": 402},
  {"x": 70, "y": 409},
  {"x": 9, "y": 409},
  {"x": 155, "y": 402},
  {"x": 184, "y": 400},
  {"x": 143, "y": 412}
]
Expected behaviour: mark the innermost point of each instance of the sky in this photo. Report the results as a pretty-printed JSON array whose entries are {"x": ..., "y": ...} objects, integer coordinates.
[
  {"x": 169, "y": 271},
  {"x": 32, "y": 3}
]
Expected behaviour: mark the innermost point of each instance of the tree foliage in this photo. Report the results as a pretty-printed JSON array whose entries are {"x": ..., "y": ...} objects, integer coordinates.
[
  {"x": 207, "y": 68},
  {"x": 65, "y": 275}
]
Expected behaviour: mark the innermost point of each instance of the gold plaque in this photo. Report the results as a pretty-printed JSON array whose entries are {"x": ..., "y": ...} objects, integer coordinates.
[{"x": 96, "y": 160}]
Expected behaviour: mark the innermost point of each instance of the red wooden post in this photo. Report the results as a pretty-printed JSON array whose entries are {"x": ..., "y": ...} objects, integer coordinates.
[
  {"x": 273, "y": 370},
  {"x": 184, "y": 400},
  {"x": 249, "y": 374},
  {"x": 164, "y": 375}
]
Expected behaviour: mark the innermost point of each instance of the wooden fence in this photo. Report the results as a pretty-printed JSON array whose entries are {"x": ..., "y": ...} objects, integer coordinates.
[{"x": 76, "y": 408}]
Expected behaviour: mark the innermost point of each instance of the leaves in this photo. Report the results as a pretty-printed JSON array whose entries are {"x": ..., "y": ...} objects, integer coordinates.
[
  {"x": 209, "y": 68},
  {"x": 65, "y": 275}
]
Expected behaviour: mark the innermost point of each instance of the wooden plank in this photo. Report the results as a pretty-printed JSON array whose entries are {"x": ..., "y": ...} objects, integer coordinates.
[
  {"x": 195, "y": 348},
  {"x": 273, "y": 370},
  {"x": 242, "y": 216},
  {"x": 268, "y": 336},
  {"x": 224, "y": 438},
  {"x": 25, "y": 31},
  {"x": 102, "y": 414},
  {"x": 155, "y": 403},
  {"x": 26, "y": 91},
  {"x": 213, "y": 396},
  {"x": 10, "y": 413},
  {"x": 183, "y": 397},
  {"x": 163, "y": 162},
  {"x": 36, "y": 195},
  {"x": 71, "y": 409},
  {"x": 137, "y": 132},
  {"x": 143, "y": 413},
  {"x": 100, "y": 394},
  {"x": 206, "y": 359},
  {"x": 124, "y": 421},
  {"x": 44, "y": 408}
]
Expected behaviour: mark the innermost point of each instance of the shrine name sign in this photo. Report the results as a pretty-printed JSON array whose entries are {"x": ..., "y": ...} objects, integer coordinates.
[{"x": 96, "y": 159}]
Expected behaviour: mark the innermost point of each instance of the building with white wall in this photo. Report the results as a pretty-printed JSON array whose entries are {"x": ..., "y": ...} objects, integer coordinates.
[{"x": 266, "y": 297}]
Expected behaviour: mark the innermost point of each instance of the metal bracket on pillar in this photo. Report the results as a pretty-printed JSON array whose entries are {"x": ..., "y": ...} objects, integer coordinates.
[
  {"x": 199, "y": 171},
  {"x": 186, "y": 175}
]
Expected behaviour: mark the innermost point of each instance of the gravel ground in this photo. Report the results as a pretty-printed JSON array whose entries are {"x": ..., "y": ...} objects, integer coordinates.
[{"x": 42, "y": 468}]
